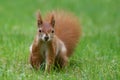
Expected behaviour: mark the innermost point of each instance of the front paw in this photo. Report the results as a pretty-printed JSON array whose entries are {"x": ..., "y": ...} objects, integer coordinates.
[{"x": 47, "y": 68}]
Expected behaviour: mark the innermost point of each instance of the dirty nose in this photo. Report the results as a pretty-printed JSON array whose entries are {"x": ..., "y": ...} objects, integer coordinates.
[{"x": 46, "y": 38}]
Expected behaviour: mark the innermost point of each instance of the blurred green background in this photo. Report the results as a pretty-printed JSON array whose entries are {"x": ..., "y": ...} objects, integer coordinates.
[{"x": 97, "y": 56}]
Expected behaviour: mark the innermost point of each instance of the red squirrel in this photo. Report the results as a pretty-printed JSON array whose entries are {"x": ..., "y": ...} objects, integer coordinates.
[{"x": 56, "y": 38}]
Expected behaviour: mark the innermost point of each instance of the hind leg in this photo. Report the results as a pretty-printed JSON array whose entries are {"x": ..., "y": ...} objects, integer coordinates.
[
  {"x": 36, "y": 61},
  {"x": 61, "y": 60}
]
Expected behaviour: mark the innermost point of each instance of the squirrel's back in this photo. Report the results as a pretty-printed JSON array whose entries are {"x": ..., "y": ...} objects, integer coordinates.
[{"x": 67, "y": 29}]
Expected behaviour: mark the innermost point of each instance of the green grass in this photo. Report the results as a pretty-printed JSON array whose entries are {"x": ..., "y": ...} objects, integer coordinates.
[{"x": 97, "y": 56}]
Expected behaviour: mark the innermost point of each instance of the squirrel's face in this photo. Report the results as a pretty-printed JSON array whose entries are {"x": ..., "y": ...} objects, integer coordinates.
[
  {"x": 46, "y": 32},
  {"x": 45, "y": 29}
]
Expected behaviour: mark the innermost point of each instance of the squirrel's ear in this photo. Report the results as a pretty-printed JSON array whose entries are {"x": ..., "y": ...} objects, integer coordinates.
[
  {"x": 39, "y": 19},
  {"x": 52, "y": 21}
]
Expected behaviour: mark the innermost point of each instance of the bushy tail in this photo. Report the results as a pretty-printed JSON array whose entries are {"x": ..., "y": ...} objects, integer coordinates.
[{"x": 67, "y": 28}]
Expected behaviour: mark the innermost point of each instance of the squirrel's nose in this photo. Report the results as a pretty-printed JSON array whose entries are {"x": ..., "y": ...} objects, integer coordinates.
[{"x": 46, "y": 38}]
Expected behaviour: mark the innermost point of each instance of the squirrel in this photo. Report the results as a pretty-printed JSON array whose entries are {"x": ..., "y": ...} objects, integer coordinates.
[{"x": 56, "y": 38}]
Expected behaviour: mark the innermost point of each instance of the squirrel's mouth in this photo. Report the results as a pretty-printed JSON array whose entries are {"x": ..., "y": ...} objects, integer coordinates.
[{"x": 46, "y": 38}]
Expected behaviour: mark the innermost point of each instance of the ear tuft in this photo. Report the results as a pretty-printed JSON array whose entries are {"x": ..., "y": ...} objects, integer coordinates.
[
  {"x": 52, "y": 22},
  {"x": 39, "y": 19}
]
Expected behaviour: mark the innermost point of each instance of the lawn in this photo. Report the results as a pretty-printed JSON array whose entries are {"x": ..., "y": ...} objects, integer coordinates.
[{"x": 97, "y": 56}]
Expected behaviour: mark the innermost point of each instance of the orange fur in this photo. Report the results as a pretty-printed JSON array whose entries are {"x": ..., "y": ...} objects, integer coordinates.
[
  {"x": 67, "y": 32},
  {"x": 67, "y": 28}
]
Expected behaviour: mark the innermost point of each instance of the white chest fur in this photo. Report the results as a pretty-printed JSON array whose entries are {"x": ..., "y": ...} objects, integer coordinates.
[{"x": 44, "y": 50}]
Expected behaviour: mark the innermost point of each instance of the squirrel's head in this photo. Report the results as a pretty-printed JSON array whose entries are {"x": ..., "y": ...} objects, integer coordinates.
[{"x": 45, "y": 29}]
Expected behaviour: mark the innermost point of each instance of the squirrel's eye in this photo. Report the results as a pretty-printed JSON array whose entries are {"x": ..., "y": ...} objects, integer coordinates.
[
  {"x": 52, "y": 31},
  {"x": 40, "y": 30}
]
